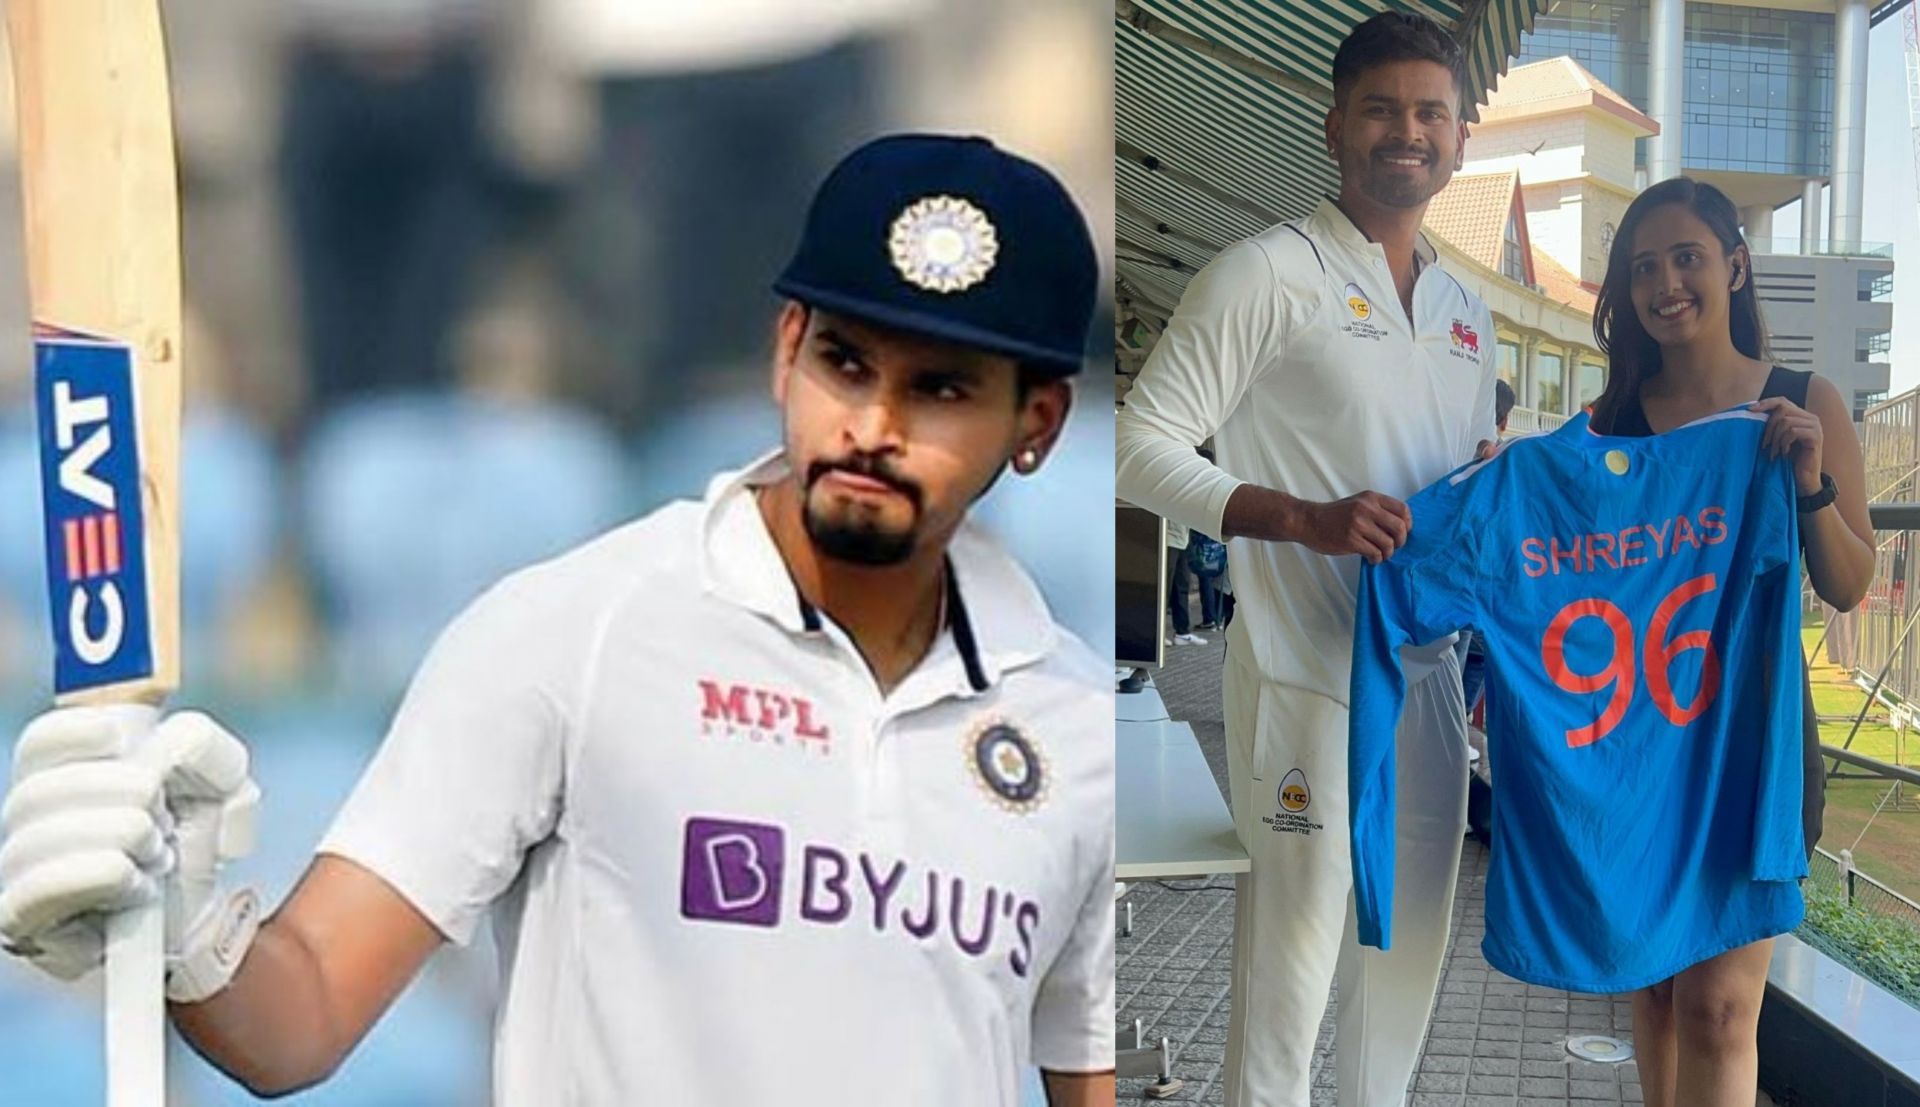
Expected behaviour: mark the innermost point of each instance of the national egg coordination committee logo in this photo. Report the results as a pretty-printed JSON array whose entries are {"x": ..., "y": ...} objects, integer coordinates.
[
  {"x": 1294, "y": 794},
  {"x": 1294, "y": 797},
  {"x": 1008, "y": 764},
  {"x": 943, "y": 244},
  {"x": 1358, "y": 304}
]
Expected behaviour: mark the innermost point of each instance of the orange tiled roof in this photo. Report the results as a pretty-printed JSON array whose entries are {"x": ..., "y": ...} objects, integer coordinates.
[
  {"x": 1471, "y": 213},
  {"x": 1562, "y": 284},
  {"x": 1558, "y": 84}
]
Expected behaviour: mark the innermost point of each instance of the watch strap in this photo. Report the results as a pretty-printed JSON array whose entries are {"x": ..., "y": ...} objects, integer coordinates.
[{"x": 1828, "y": 493}]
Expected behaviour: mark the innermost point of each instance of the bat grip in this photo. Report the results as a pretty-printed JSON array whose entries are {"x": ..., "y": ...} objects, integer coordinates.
[{"x": 136, "y": 1007}]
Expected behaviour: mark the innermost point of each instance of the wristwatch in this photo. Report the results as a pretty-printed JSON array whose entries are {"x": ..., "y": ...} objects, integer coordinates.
[{"x": 1827, "y": 494}]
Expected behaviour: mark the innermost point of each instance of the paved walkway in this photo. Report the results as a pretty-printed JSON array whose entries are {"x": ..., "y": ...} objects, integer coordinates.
[{"x": 1493, "y": 1042}]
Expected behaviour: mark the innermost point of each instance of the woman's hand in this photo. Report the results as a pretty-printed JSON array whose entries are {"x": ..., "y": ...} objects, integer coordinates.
[{"x": 1793, "y": 429}]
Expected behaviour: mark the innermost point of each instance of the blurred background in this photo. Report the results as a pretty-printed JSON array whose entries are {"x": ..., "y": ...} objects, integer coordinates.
[{"x": 468, "y": 281}]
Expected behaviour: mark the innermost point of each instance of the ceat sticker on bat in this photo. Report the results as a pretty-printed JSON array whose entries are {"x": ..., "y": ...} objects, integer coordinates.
[{"x": 90, "y": 485}]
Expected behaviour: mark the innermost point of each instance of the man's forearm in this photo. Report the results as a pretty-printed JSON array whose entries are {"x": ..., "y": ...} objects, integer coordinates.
[
  {"x": 270, "y": 1029},
  {"x": 1080, "y": 1089},
  {"x": 1266, "y": 514}
]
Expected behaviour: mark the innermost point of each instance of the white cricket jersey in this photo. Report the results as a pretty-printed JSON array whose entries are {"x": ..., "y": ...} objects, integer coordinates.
[
  {"x": 1291, "y": 350},
  {"x": 724, "y": 867}
]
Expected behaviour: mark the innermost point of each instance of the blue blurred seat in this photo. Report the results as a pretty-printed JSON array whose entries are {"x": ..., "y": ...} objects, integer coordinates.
[
  {"x": 415, "y": 504},
  {"x": 685, "y": 449},
  {"x": 1059, "y": 522}
]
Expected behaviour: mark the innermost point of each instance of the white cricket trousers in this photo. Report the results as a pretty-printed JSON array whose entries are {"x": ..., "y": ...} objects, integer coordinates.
[{"x": 1293, "y": 919}]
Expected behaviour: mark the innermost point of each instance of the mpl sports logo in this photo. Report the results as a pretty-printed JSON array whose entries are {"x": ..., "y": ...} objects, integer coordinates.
[
  {"x": 739, "y": 873},
  {"x": 90, "y": 485},
  {"x": 743, "y": 712}
]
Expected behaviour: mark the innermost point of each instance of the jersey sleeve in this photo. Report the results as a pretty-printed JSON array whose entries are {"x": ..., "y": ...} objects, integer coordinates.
[
  {"x": 1073, "y": 1009},
  {"x": 1231, "y": 326},
  {"x": 1423, "y": 592},
  {"x": 1779, "y": 836},
  {"x": 468, "y": 777}
]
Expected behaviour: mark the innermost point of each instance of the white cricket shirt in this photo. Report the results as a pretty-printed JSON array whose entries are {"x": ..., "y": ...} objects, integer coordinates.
[
  {"x": 724, "y": 868},
  {"x": 1291, "y": 350}
]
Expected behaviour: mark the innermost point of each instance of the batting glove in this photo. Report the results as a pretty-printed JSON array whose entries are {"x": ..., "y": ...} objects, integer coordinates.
[{"x": 95, "y": 823}]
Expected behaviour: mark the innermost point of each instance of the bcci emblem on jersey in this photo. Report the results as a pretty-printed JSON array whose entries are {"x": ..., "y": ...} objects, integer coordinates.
[{"x": 1008, "y": 765}]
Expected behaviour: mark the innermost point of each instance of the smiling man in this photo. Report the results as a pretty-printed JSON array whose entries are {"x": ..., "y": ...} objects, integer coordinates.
[
  {"x": 832, "y": 825},
  {"x": 1338, "y": 369}
]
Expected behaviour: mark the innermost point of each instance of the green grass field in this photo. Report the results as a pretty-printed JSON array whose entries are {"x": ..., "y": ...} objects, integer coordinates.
[{"x": 1889, "y": 848}]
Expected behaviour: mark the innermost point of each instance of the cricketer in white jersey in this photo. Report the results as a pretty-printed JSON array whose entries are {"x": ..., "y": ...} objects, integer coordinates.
[
  {"x": 1336, "y": 372},
  {"x": 796, "y": 794}
]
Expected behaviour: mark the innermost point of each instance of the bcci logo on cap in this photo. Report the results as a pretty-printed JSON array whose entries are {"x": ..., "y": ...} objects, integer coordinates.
[
  {"x": 90, "y": 480},
  {"x": 943, "y": 244}
]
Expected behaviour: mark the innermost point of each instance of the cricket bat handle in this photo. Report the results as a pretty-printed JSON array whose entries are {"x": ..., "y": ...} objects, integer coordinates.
[{"x": 136, "y": 1002}]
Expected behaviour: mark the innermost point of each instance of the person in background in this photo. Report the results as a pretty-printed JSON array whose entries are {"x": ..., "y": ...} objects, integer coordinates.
[
  {"x": 1208, "y": 583},
  {"x": 1179, "y": 575},
  {"x": 386, "y": 170}
]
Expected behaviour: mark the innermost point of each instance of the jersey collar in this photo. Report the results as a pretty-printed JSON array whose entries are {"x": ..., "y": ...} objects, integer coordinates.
[
  {"x": 994, "y": 613},
  {"x": 1329, "y": 220}
]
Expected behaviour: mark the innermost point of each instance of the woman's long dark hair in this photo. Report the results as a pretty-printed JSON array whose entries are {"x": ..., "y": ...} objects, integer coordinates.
[{"x": 1632, "y": 354}]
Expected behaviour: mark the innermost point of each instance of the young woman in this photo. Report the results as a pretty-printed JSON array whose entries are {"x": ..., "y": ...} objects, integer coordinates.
[{"x": 1679, "y": 321}]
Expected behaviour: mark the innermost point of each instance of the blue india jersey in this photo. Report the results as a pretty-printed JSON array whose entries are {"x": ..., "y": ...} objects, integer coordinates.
[{"x": 1639, "y": 600}]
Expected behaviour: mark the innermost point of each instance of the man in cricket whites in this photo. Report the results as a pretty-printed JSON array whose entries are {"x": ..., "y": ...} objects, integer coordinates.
[
  {"x": 833, "y": 825},
  {"x": 1338, "y": 370}
]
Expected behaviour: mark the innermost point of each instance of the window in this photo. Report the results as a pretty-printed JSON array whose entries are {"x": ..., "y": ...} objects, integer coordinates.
[
  {"x": 1869, "y": 344},
  {"x": 1864, "y": 399},
  {"x": 1513, "y": 261},
  {"x": 1875, "y": 287},
  {"x": 1547, "y": 370},
  {"x": 1593, "y": 379},
  {"x": 1509, "y": 363}
]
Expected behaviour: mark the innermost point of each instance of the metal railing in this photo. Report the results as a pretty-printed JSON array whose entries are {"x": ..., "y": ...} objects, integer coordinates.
[
  {"x": 1526, "y": 420},
  {"x": 1836, "y": 875}
]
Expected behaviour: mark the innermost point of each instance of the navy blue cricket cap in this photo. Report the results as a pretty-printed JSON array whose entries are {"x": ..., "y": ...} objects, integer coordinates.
[{"x": 952, "y": 238}]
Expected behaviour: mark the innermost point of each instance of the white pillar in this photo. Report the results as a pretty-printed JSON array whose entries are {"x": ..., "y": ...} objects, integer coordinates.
[
  {"x": 1849, "y": 124},
  {"x": 1758, "y": 221},
  {"x": 1526, "y": 397},
  {"x": 1810, "y": 216},
  {"x": 1666, "y": 87}
]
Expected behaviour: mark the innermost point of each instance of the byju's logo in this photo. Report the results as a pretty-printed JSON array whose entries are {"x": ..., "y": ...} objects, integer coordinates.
[
  {"x": 731, "y": 872},
  {"x": 760, "y": 715}
]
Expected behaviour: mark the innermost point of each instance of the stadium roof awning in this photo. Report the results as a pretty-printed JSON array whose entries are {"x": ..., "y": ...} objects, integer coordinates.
[{"x": 1218, "y": 107}]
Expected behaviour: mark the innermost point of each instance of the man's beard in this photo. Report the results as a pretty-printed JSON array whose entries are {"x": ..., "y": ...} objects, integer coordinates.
[
  {"x": 855, "y": 536},
  {"x": 1393, "y": 189}
]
